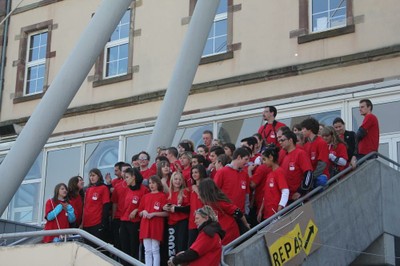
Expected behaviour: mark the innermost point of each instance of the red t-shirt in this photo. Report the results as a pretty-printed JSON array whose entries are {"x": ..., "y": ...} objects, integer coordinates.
[
  {"x": 118, "y": 197},
  {"x": 148, "y": 172},
  {"x": 152, "y": 228},
  {"x": 187, "y": 172},
  {"x": 370, "y": 142},
  {"x": 268, "y": 132},
  {"x": 175, "y": 217},
  {"x": 195, "y": 203},
  {"x": 276, "y": 181},
  {"x": 235, "y": 184},
  {"x": 116, "y": 181},
  {"x": 340, "y": 151},
  {"x": 318, "y": 151},
  {"x": 208, "y": 248},
  {"x": 259, "y": 178},
  {"x": 224, "y": 212},
  {"x": 95, "y": 198},
  {"x": 131, "y": 202},
  {"x": 295, "y": 164},
  {"x": 77, "y": 204},
  {"x": 61, "y": 218}
]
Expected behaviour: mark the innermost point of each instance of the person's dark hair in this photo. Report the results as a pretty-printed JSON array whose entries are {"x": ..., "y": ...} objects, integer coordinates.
[
  {"x": 230, "y": 146},
  {"x": 200, "y": 158},
  {"x": 338, "y": 120},
  {"x": 135, "y": 157},
  {"x": 162, "y": 158},
  {"x": 73, "y": 189},
  {"x": 157, "y": 180},
  {"x": 185, "y": 146},
  {"x": 284, "y": 129},
  {"x": 242, "y": 152},
  {"x": 56, "y": 189},
  {"x": 173, "y": 151},
  {"x": 119, "y": 165},
  {"x": 138, "y": 177},
  {"x": 204, "y": 147},
  {"x": 160, "y": 165},
  {"x": 99, "y": 174},
  {"x": 273, "y": 151},
  {"x": 290, "y": 135},
  {"x": 126, "y": 164},
  {"x": 272, "y": 109},
  {"x": 190, "y": 143},
  {"x": 210, "y": 194},
  {"x": 217, "y": 150},
  {"x": 224, "y": 159},
  {"x": 367, "y": 102},
  {"x": 202, "y": 172},
  {"x": 296, "y": 126},
  {"x": 146, "y": 153},
  {"x": 251, "y": 141},
  {"x": 208, "y": 132},
  {"x": 311, "y": 124}
]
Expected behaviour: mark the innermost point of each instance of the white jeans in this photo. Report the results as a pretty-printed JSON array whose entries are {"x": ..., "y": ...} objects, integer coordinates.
[{"x": 151, "y": 252}]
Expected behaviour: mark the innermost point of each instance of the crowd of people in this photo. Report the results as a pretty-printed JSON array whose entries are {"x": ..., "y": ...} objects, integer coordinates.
[{"x": 191, "y": 200}]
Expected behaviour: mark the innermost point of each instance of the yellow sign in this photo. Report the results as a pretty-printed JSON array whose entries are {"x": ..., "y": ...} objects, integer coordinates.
[{"x": 291, "y": 238}]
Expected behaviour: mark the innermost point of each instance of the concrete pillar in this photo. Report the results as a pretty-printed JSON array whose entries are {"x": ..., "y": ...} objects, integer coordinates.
[
  {"x": 183, "y": 74},
  {"x": 58, "y": 97}
]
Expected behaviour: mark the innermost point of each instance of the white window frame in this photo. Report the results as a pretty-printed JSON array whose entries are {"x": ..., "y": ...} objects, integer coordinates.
[
  {"x": 218, "y": 17},
  {"x": 30, "y": 64},
  {"x": 116, "y": 43},
  {"x": 328, "y": 25}
]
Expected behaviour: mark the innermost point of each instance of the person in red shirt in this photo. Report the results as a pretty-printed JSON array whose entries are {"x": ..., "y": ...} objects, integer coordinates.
[
  {"x": 207, "y": 138},
  {"x": 172, "y": 155},
  {"x": 178, "y": 196},
  {"x": 317, "y": 151},
  {"x": 215, "y": 151},
  {"x": 130, "y": 220},
  {"x": 144, "y": 160},
  {"x": 226, "y": 211},
  {"x": 152, "y": 223},
  {"x": 185, "y": 160},
  {"x": 76, "y": 195},
  {"x": 297, "y": 167},
  {"x": 337, "y": 150},
  {"x": 58, "y": 213},
  {"x": 97, "y": 205},
  {"x": 164, "y": 173},
  {"x": 349, "y": 137},
  {"x": 234, "y": 181},
  {"x": 276, "y": 189},
  {"x": 268, "y": 131},
  {"x": 368, "y": 132},
  {"x": 207, "y": 249}
]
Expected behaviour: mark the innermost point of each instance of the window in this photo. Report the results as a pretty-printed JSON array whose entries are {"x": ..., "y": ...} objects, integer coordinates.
[
  {"x": 324, "y": 19},
  {"x": 235, "y": 130},
  {"x": 36, "y": 63},
  {"x": 116, "y": 50},
  {"x": 218, "y": 36},
  {"x": 327, "y": 14},
  {"x": 102, "y": 155},
  {"x": 33, "y": 61}
]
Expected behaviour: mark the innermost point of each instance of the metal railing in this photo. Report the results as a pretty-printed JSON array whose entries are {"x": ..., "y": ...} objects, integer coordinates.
[
  {"x": 73, "y": 231},
  {"x": 253, "y": 231}
]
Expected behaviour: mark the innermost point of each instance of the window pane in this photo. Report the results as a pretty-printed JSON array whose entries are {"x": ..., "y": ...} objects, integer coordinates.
[
  {"x": 61, "y": 166},
  {"x": 25, "y": 204},
  {"x": 194, "y": 133},
  {"x": 387, "y": 114},
  {"x": 36, "y": 170},
  {"x": 123, "y": 66},
  {"x": 122, "y": 29},
  {"x": 35, "y": 79},
  {"x": 136, "y": 144},
  {"x": 112, "y": 69},
  {"x": 208, "y": 49},
  {"x": 123, "y": 51},
  {"x": 221, "y": 28},
  {"x": 220, "y": 44},
  {"x": 398, "y": 151},
  {"x": 327, "y": 14},
  {"x": 217, "y": 37},
  {"x": 102, "y": 155},
  {"x": 325, "y": 118},
  {"x": 222, "y": 7},
  {"x": 235, "y": 130}
]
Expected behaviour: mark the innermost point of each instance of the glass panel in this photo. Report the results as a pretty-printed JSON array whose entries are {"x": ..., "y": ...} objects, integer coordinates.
[
  {"x": 398, "y": 151},
  {"x": 25, "y": 204},
  {"x": 102, "y": 155},
  {"x": 112, "y": 69},
  {"x": 384, "y": 150},
  {"x": 235, "y": 130},
  {"x": 195, "y": 134},
  {"x": 387, "y": 114},
  {"x": 61, "y": 166},
  {"x": 220, "y": 44},
  {"x": 217, "y": 37},
  {"x": 327, "y": 14},
  {"x": 122, "y": 29},
  {"x": 35, "y": 79},
  {"x": 223, "y": 6},
  {"x": 134, "y": 145},
  {"x": 325, "y": 118},
  {"x": 2, "y": 158},
  {"x": 36, "y": 170}
]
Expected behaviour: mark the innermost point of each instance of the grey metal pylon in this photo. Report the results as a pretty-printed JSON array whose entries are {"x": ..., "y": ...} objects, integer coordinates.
[
  {"x": 183, "y": 74},
  {"x": 58, "y": 97}
]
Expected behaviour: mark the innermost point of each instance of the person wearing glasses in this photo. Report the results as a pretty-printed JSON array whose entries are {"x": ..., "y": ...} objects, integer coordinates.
[
  {"x": 297, "y": 167},
  {"x": 207, "y": 248},
  {"x": 145, "y": 171}
]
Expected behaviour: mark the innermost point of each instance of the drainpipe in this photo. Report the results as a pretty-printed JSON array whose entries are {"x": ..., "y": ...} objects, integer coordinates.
[
  {"x": 3, "y": 50},
  {"x": 57, "y": 98}
]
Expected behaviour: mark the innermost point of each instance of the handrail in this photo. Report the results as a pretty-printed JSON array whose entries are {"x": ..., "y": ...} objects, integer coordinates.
[
  {"x": 298, "y": 202},
  {"x": 74, "y": 231}
]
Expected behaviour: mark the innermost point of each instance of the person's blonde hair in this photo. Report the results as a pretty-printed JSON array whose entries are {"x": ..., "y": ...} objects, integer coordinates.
[
  {"x": 207, "y": 211},
  {"x": 181, "y": 193}
]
